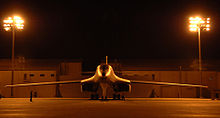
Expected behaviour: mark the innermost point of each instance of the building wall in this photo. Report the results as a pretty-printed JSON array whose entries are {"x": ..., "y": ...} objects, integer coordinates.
[
  {"x": 67, "y": 71},
  {"x": 218, "y": 80},
  {"x": 27, "y": 77},
  {"x": 71, "y": 71},
  {"x": 192, "y": 77},
  {"x": 5, "y": 77}
]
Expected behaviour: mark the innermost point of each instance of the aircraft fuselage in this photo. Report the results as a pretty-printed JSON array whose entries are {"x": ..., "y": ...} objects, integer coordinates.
[{"x": 105, "y": 78}]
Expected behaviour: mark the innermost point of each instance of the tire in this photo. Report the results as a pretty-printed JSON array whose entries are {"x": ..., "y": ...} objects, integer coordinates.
[
  {"x": 114, "y": 96},
  {"x": 123, "y": 97},
  {"x": 92, "y": 97},
  {"x": 96, "y": 96},
  {"x": 118, "y": 96}
]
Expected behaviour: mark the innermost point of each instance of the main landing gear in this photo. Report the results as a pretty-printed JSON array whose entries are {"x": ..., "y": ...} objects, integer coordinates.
[
  {"x": 118, "y": 97},
  {"x": 94, "y": 97},
  {"x": 115, "y": 97},
  {"x": 104, "y": 98}
]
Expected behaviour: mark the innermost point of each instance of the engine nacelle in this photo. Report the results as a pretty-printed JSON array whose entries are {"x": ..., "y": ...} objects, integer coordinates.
[
  {"x": 121, "y": 87},
  {"x": 89, "y": 86}
]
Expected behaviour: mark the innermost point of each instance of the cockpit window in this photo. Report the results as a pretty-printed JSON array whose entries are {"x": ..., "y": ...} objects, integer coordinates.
[{"x": 104, "y": 67}]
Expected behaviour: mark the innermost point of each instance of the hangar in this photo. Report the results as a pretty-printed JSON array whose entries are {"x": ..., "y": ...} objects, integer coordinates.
[{"x": 36, "y": 70}]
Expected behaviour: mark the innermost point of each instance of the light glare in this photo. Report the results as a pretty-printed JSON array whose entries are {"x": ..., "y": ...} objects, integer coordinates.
[
  {"x": 199, "y": 23},
  {"x": 202, "y": 21},
  {"x": 15, "y": 22},
  {"x": 7, "y": 28},
  {"x": 193, "y": 29}
]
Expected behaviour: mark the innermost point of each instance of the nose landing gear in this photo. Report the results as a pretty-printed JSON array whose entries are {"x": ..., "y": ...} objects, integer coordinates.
[{"x": 104, "y": 98}]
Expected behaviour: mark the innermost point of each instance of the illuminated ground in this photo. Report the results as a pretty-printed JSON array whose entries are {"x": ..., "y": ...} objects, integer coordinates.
[{"x": 131, "y": 108}]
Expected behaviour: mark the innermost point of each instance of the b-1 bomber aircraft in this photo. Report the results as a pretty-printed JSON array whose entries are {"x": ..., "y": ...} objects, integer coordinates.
[{"x": 104, "y": 78}]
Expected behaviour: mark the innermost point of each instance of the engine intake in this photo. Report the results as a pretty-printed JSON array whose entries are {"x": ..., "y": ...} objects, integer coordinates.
[
  {"x": 91, "y": 87},
  {"x": 121, "y": 87}
]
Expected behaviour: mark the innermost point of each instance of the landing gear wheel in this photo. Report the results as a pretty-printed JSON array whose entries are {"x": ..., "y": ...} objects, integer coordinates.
[
  {"x": 123, "y": 98},
  {"x": 118, "y": 96},
  {"x": 104, "y": 98},
  {"x": 96, "y": 96},
  {"x": 114, "y": 96},
  {"x": 92, "y": 97}
]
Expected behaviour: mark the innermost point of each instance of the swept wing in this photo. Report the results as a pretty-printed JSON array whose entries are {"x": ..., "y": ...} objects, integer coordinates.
[
  {"x": 44, "y": 83},
  {"x": 168, "y": 83}
]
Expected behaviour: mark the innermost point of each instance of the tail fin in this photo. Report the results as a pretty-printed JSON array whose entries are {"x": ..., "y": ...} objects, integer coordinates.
[{"x": 106, "y": 60}]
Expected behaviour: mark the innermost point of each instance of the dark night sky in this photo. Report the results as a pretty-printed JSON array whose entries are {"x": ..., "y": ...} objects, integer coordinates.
[{"x": 91, "y": 30}]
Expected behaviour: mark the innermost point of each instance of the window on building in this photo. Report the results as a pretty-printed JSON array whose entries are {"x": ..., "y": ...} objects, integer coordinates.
[
  {"x": 42, "y": 75},
  {"x": 31, "y": 75},
  {"x": 25, "y": 76},
  {"x": 52, "y": 75},
  {"x": 153, "y": 76}
]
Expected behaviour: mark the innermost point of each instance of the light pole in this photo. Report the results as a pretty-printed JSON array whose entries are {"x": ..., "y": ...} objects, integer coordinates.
[
  {"x": 198, "y": 24},
  {"x": 12, "y": 24}
]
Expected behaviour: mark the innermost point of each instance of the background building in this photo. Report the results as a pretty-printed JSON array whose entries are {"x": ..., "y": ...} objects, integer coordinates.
[{"x": 38, "y": 70}]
